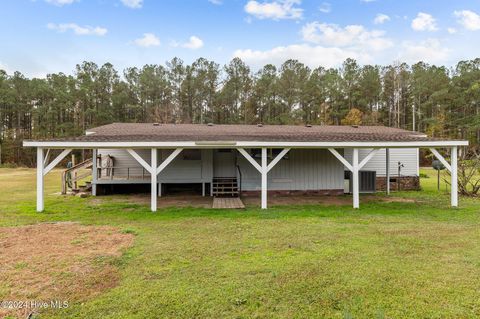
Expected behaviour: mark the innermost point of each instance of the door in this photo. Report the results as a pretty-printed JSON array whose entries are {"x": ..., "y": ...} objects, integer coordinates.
[{"x": 224, "y": 163}]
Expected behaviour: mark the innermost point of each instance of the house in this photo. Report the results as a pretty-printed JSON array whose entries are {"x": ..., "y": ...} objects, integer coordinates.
[{"x": 226, "y": 159}]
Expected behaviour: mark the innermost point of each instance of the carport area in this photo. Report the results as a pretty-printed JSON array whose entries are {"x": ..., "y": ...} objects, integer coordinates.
[{"x": 334, "y": 140}]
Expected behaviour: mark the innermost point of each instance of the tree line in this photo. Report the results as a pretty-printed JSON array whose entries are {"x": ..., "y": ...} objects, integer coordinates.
[{"x": 437, "y": 100}]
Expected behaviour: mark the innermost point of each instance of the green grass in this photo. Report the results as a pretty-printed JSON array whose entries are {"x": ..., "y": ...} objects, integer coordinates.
[{"x": 386, "y": 260}]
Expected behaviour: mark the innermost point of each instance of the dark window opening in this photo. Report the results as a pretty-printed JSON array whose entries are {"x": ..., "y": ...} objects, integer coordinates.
[
  {"x": 192, "y": 155},
  {"x": 271, "y": 153}
]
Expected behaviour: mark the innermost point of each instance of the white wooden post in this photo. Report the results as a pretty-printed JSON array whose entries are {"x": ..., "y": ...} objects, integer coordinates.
[
  {"x": 355, "y": 179},
  {"x": 264, "y": 168},
  {"x": 40, "y": 190},
  {"x": 94, "y": 172},
  {"x": 453, "y": 169},
  {"x": 154, "y": 170},
  {"x": 264, "y": 178},
  {"x": 387, "y": 170},
  {"x": 454, "y": 177},
  {"x": 153, "y": 180}
]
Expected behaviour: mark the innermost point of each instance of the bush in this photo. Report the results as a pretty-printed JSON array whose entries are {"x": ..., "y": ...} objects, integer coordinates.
[{"x": 468, "y": 174}]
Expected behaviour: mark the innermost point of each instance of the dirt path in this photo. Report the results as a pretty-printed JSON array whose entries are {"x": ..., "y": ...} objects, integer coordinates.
[{"x": 57, "y": 261}]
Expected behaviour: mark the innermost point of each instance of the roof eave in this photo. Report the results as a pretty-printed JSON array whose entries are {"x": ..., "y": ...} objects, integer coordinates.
[{"x": 242, "y": 144}]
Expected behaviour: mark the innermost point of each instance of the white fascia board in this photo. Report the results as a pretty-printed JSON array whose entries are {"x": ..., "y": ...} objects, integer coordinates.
[{"x": 248, "y": 144}]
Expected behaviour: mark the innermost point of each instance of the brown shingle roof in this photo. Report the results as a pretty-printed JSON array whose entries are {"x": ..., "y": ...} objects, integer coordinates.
[{"x": 147, "y": 132}]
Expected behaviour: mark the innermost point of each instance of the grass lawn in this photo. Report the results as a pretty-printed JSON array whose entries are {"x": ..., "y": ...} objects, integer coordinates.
[{"x": 386, "y": 260}]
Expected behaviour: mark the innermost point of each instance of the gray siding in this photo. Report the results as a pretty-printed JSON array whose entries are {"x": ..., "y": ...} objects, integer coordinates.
[
  {"x": 178, "y": 170},
  {"x": 407, "y": 156},
  {"x": 303, "y": 170}
]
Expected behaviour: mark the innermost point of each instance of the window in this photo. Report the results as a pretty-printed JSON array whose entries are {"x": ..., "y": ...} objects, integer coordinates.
[
  {"x": 192, "y": 155},
  {"x": 271, "y": 153}
]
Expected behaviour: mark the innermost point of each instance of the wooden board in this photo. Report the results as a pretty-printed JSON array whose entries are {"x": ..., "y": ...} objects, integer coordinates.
[{"x": 228, "y": 202}]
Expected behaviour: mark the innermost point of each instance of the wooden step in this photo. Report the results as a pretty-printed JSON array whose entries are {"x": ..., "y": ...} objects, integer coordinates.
[{"x": 225, "y": 187}]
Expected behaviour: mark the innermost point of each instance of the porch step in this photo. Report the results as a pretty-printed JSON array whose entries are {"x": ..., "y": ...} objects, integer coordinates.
[
  {"x": 225, "y": 187},
  {"x": 232, "y": 203}
]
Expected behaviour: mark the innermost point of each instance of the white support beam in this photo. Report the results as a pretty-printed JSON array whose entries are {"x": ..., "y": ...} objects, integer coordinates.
[
  {"x": 153, "y": 180},
  {"x": 40, "y": 190},
  {"x": 355, "y": 179},
  {"x": 441, "y": 159},
  {"x": 277, "y": 159},
  {"x": 341, "y": 159},
  {"x": 454, "y": 177},
  {"x": 57, "y": 160},
  {"x": 264, "y": 177},
  {"x": 140, "y": 160},
  {"x": 168, "y": 160},
  {"x": 387, "y": 170},
  {"x": 94, "y": 172},
  {"x": 250, "y": 159},
  {"x": 47, "y": 158},
  {"x": 367, "y": 158},
  {"x": 154, "y": 170},
  {"x": 264, "y": 168},
  {"x": 453, "y": 169}
]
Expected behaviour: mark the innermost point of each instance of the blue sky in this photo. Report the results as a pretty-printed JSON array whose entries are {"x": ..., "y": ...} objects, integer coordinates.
[{"x": 43, "y": 36}]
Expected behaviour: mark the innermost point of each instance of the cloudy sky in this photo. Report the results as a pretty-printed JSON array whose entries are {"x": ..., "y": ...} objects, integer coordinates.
[{"x": 43, "y": 36}]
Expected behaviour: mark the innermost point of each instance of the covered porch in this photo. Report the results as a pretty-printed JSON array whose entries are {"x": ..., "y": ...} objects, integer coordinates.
[{"x": 263, "y": 164}]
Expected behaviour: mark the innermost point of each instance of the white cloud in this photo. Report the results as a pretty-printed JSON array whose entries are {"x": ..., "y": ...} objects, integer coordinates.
[
  {"x": 354, "y": 36},
  {"x": 367, "y": 1},
  {"x": 275, "y": 10},
  {"x": 193, "y": 43},
  {"x": 5, "y": 68},
  {"x": 313, "y": 56},
  {"x": 430, "y": 51},
  {"x": 134, "y": 4},
  {"x": 60, "y": 2},
  {"x": 325, "y": 7},
  {"x": 468, "y": 19},
  {"x": 381, "y": 18},
  {"x": 452, "y": 30},
  {"x": 217, "y": 2},
  {"x": 328, "y": 45},
  {"x": 78, "y": 30},
  {"x": 424, "y": 22},
  {"x": 148, "y": 40}
]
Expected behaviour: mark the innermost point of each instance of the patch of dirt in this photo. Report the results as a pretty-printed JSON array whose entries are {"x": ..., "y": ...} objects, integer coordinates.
[
  {"x": 279, "y": 200},
  {"x": 177, "y": 200},
  {"x": 58, "y": 261},
  {"x": 197, "y": 201}
]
